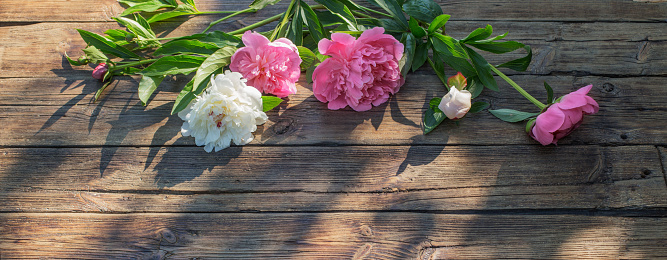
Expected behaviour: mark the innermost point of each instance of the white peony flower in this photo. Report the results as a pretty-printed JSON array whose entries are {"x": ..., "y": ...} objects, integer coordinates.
[
  {"x": 456, "y": 104},
  {"x": 227, "y": 111}
]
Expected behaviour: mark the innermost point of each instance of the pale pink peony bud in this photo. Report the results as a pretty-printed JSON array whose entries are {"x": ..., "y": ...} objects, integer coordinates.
[{"x": 456, "y": 104}]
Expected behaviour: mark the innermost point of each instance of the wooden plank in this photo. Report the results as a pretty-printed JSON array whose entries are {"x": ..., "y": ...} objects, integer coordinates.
[
  {"x": 558, "y": 47},
  {"x": 376, "y": 235},
  {"x": 56, "y": 111},
  {"x": 428, "y": 178},
  {"x": 524, "y": 10}
]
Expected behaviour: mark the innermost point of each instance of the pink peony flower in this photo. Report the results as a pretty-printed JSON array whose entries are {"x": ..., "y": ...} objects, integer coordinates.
[
  {"x": 100, "y": 70},
  {"x": 560, "y": 119},
  {"x": 270, "y": 67},
  {"x": 361, "y": 73}
]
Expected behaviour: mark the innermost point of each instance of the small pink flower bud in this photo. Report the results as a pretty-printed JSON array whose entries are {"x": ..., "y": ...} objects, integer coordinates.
[{"x": 100, "y": 70}]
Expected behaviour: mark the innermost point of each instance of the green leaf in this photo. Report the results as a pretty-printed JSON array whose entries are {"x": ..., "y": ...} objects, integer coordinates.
[
  {"x": 178, "y": 11},
  {"x": 94, "y": 55},
  {"x": 340, "y": 10},
  {"x": 438, "y": 68},
  {"x": 499, "y": 37},
  {"x": 512, "y": 116},
  {"x": 171, "y": 65},
  {"x": 432, "y": 119},
  {"x": 483, "y": 69},
  {"x": 260, "y": 4},
  {"x": 119, "y": 36},
  {"x": 150, "y": 6},
  {"x": 550, "y": 93},
  {"x": 448, "y": 45},
  {"x": 184, "y": 98},
  {"x": 186, "y": 46},
  {"x": 498, "y": 47},
  {"x": 270, "y": 102},
  {"x": 216, "y": 61},
  {"x": 520, "y": 64},
  {"x": 295, "y": 31},
  {"x": 82, "y": 61},
  {"x": 479, "y": 34},
  {"x": 147, "y": 86},
  {"x": 438, "y": 22},
  {"x": 309, "y": 73},
  {"x": 98, "y": 93},
  {"x": 423, "y": 10},
  {"x": 416, "y": 30},
  {"x": 408, "y": 56},
  {"x": 105, "y": 45},
  {"x": 140, "y": 28},
  {"x": 313, "y": 22},
  {"x": 393, "y": 8},
  {"x": 475, "y": 86},
  {"x": 307, "y": 57},
  {"x": 478, "y": 107},
  {"x": 457, "y": 81},
  {"x": 434, "y": 103},
  {"x": 421, "y": 54},
  {"x": 219, "y": 38}
]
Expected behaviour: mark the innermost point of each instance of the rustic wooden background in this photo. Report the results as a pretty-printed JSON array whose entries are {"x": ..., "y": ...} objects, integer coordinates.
[{"x": 114, "y": 179}]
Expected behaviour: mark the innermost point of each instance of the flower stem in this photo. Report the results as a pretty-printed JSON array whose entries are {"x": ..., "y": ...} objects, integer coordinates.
[
  {"x": 249, "y": 10},
  {"x": 132, "y": 64},
  {"x": 258, "y": 24},
  {"x": 539, "y": 104},
  {"x": 216, "y": 12}
]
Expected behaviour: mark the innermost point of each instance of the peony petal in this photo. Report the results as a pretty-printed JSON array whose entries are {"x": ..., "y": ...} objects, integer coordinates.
[
  {"x": 551, "y": 120},
  {"x": 544, "y": 137},
  {"x": 571, "y": 101},
  {"x": 254, "y": 40},
  {"x": 583, "y": 90}
]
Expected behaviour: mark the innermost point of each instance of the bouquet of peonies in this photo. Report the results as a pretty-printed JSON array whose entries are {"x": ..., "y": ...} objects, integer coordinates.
[{"x": 355, "y": 55}]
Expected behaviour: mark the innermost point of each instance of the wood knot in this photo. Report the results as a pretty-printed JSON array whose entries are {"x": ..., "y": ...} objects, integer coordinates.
[
  {"x": 366, "y": 231},
  {"x": 643, "y": 53},
  {"x": 168, "y": 236},
  {"x": 363, "y": 252},
  {"x": 609, "y": 88},
  {"x": 282, "y": 126}
]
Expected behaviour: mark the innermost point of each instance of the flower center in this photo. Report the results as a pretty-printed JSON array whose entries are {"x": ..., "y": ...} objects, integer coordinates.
[{"x": 217, "y": 118}]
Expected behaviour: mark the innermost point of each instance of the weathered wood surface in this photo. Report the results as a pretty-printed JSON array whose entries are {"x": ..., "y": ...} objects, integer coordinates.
[
  {"x": 338, "y": 184},
  {"x": 369, "y": 235},
  {"x": 58, "y": 111}
]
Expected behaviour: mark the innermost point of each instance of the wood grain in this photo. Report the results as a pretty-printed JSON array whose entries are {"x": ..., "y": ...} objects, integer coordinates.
[
  {"x": 58, "y": 111},
  {"x": 38, "y": 50},
  {"x": 357, "y": 178},
  {"x": 376, "y": 235},
  {"x": 504, "y": 10}
]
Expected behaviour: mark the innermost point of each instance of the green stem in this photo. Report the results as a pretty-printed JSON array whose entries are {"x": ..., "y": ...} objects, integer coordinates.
[
  {"x": 258, "y": 24},
  {"x": 249, "y": 10},
  {"x": 215, "y": 12},
  {"x": 362, "y": 15},
  {"x": 518, "y": 88},
  {"x": 132, "y": 64},
  {"x": 374, "y": 11}
]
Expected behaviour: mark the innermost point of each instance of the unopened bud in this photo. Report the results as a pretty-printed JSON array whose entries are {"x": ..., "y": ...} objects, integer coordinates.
[{"x": 100, "y": 70}]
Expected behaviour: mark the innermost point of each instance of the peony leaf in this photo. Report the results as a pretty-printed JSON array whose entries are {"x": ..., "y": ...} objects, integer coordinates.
[
  {"x": 416, "y": 30},
  {"x": 394, "y": 9},
  {"x": 483, "y": 69},
  {"x": 475, "y": 86},
  {"x": 457, "y": 81},
  {"x": 147, "y": 86},
  {"x": 550, "y": 93},
  {"x": 260, "y": 4},
  {"x": 438, "y": 68},
  {"x": 409, "y": 55},
  {"x": 432, "y": 119},
  {"x": 313, "y": 22},
  {"x": 216, "y": 61},
  {"x": 219, "y": 38},
  {"x": 434, "y": 103},
  {"x": 497, "y": 47},
  {"x": 520, "y": 64},
  {"x": 295, "y": 31},
  {"x": 150, "y": 6},
  {"x": 186, "y": 46},
  {"x": 105, "y": 45},
  {"x": 512, "y": 116},
  {"x": 478, "y": 107},
  {"x": 448, "y": 46},
  {"x": 181, "y": 10},
  {"x": 270, "y": 102},
  {"x": 421, "y": 54},
  {"x": 423, "y": 10},
  {"x": 170, "y": 65},
  {"x": 94, "y": 55},
  {"x": 342, "y": 11},
  {"x": 307, "y": 57},
  {"x": 438, "y": 22},
  {"x": 479, "y": 34},
  {"x": 184, "y": 98}
]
